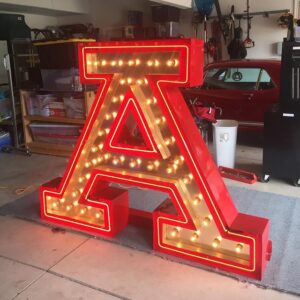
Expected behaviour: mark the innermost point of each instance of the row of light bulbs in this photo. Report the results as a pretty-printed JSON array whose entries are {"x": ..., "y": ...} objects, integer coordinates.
[
  {"x": 129, "y": 80},
  {"x": 133, "y": 62},
  {"x": 175, "y": 233}
]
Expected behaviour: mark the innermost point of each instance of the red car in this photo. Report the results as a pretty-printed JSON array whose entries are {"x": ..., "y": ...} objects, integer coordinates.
[{"x": 243, "y": 89}]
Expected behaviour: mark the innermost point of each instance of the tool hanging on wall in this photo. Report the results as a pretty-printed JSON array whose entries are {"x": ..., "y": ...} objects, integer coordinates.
[
  {"x": 248, "y": 43},
  {"x": 236, "y": 48}
]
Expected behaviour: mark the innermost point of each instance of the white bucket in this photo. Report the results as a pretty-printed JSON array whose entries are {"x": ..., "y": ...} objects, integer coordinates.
[{"x": 224, "y": 138}]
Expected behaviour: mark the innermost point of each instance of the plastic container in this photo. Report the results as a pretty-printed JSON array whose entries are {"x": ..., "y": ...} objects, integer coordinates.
[
  {"x": 44, "y": 102},
  {"x": 224, "y": 139},
  {"x": 57, "y": 109},
  {"x": 74, "y": 107},
  {"x": 55, "y": 133},
  {"x": 32, "y": 105},
  {"x": 5, "y": 140},
  {"x": 5, "y": 109}
]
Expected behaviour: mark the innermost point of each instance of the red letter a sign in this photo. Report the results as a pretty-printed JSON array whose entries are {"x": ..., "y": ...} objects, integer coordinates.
[{"x": 140, "y": 133}]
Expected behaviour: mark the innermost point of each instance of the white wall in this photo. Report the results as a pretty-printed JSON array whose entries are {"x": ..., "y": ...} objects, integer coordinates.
[
  {"x": 110, "y": 15},
  {"x": 35, "y": 20},
  {"x": 265, "y": 31}
]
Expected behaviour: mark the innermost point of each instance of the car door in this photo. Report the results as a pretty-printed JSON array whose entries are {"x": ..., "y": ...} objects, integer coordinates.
[{"x": 218, "y": 90}]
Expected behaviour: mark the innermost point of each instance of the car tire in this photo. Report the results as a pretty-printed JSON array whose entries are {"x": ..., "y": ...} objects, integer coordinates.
[
  {"x": 265, "y": 178},
  {"x": 296, "y": 182}
]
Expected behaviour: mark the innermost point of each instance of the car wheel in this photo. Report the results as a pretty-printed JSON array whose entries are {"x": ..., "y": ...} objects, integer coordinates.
[
  {"x": 265, "y": 178},
  {"x": 296, "y": 182}
]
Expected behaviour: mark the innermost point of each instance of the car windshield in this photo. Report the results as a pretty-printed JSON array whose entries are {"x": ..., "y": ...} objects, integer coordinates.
[{"x": 235, "y": 78}]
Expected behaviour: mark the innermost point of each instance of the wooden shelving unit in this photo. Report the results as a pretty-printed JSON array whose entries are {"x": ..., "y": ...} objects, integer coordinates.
[{"x": 49, "y": 148}]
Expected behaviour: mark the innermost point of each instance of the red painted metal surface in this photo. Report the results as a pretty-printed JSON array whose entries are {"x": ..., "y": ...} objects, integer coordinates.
[
  {"x": 238, "y": 175},
  {"x": 246, "y": 106},
  {"x": 199, "y": 221}
]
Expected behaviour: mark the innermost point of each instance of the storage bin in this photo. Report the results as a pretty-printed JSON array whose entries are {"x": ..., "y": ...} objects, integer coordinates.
[
  {"x": 61, "y": 79},
  {"x": 74, "y": 107},
  {"x": 5, "y": 109},
  {"x": 57, "y": 109},
  {"x": 44, "y": 102},
  {"x": 55, "y": 133},
  {"x": 5, "y": 139}
]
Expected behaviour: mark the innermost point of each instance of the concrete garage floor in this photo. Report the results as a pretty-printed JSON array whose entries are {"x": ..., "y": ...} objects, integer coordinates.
[{"x": 36, "y": 263}]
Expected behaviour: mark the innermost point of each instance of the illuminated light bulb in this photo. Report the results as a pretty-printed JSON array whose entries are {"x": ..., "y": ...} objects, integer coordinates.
[
  {"x": 113, "y": 63},
  {"x": 139, "y": 82},
  {"x": 149, "y": 101},
  {"x": 103, "y": 62},
  {"x": 132, "y": 164},
  {"x": 191, "y": 177},
  {"x": 216, "y": 243},
  {"x": 106, "y": 156},
  {"x": 194, "y": 237},
  {"x": 154, "y": 100},
  {"x": 120, "y": 63},
  {"x": 122, "y": 81},
  {"x": 130, "y": 62},
  {"x": 174, "y": 232},
  {"x": 156, "y": 163},
  {"x": 87, "y": 164},
  {"x": 207, "y": 220},
  {"x": 122, "y": 158},
  {"x": 106, "y": 130},
  {"x": 94, "y": 161},
  {"x": 176, "y": 161},
  {"x": 87, "y": 176},
  {"x": 197, "y": 200},
  {"x": 115, "y": 100},
  {"x": 89, "y": 207},
  {"x": 163, "y": 119},
  {"x": 81, "y": 190},
  {"x": 75, "y": 203},
  {"x": 181, "y": 158},
  {"x": 100, "y": 159},
  {"x": 94, "y": 149},
  {"x": 74, "y": 194},
  {"x": 54, "y": 205},
  {"x": 100, "y": 146},
  {"x": 49, "y": 197},
  {"x": 158, "y": 121},
  {"x": 150, "y": 167},
  {"x": 179, "y": 245},
  {"x": 88, "y": 62},
  {"x": 107, "y": 117},
  {"x": 173, "y": 139},
  {"x": 80, "y": 179},
  {"x": 150, "y": 63},
  {"x": 175, "y": 167},
  {"x": 176, "y": 62},
  {"x": 239, "y": 247},
  {"x": 115, "y": 161},
  {"x": 169, "y": 63},
  {"x": 167, "y": 142},
  {"x": 62, "y": 200},
  {"x": 129, "y": 80},
  {"x": 139, "y": 161},
  {"x": 156, "y": 63},
  {"x": 82, "y": 211},
  {"x": 122, "y": 97},
  {"x": 114, "y": 114},
  {"x": 186, "y": 180},
  {"x": 169, "y": 170},
  {"x": 96, "y": 63},
  {"x": 100, "y": 132},
  {"x": 137, "y": 62},
  {"x": 68, "y": 207},
  {"x": 98, "y": 215},
  {"x": 145, "y": 81}
]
